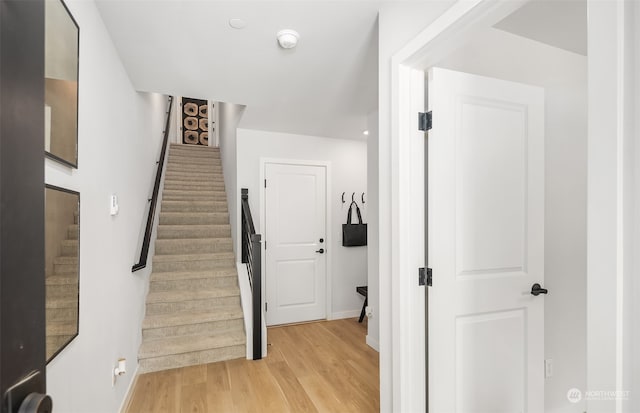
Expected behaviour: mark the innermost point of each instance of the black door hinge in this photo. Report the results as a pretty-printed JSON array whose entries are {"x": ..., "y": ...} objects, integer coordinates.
[
  {"x": 425, "y": 276},
  {"x": 266, "y": 306},
  {"x": 265, "y": 183},
  {"x": 425, "y": 121}
]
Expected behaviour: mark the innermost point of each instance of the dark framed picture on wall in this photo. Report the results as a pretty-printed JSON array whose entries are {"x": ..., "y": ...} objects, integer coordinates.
[{"x": 62, "y": 40}]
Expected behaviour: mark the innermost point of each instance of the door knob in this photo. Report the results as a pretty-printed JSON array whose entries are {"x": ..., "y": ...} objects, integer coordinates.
[
  {"x": 320, "y": 251},
  {"x": 536, "y": 290}
]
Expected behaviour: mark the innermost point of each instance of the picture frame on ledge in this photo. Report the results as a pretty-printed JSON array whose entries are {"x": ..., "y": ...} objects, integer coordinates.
[{"x": 62, "y": 45}]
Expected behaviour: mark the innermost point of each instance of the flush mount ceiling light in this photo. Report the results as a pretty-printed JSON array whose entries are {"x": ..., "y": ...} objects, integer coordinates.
[
  {"x": 365, "y": 132},
  {"x": 288, "y": 39}
]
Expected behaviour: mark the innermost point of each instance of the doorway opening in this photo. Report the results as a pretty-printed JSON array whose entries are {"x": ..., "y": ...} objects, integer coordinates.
[{"x": 517, "y": 212}]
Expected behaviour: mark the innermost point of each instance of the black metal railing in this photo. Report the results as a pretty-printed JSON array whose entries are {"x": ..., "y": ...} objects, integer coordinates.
[
  {"x": 144, "y": 252},
  {"x": 252, "y": 256}
]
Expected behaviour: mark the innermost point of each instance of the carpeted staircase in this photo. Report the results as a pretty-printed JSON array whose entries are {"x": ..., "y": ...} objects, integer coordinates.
[
  {"x": 62, "y": 293},
  {"x": 193, "y": 312}
]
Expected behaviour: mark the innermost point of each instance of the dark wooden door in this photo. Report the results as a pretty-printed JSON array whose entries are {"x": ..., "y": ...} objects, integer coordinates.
[{"x": 22, "y": 291}]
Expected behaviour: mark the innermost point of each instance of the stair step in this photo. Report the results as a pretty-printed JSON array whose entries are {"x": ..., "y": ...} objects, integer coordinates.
[
  {"x": 190, "y": 167},
  {"x": 193, "y": 262},
  {"x": 205, "y": 153},
  {"x": 62, "y": 314},
  {"x": 194, "y": 197},
  {"x": 193, "y": 245},
  {"x": 193, "y": 186},
  {"x": 174, "y": 352},
  {"x": 73, "y": 231},
  {"x": 196, "y": 148},
  {"x": 193, "y": 231},
  {"x": 189, "y": 275},
  {"x": 194, "y": 284},
  {"x": 191, "y": 219},
  {"x": 62, "y": 291},
  {"x": 70, "y": 247},
  {"x": 64, "y": 302},
  {"x": 65, "y": 280},
  {"x": 224, "y": 319},
  {"x": 61, "y": 328},
  {"x": 186, "y": 160},
  {"x": 166, "y": 302},
  {"x": 161, "y": 297},
  {"x": 65, "y": 265},
  {"x": 194, "y": 177},
  {"x": 194, "y": 206}
]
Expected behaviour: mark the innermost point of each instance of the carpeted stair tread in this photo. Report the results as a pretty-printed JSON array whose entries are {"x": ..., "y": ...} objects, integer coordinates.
[
  {"x": 192, "y": 257},
  {"x": 190, "y": 275},
  {"x": 61, "y": 279},
  {"x": 180, "y": 345},
  {"x": 173, "y": 246},
  {"x": 194, "y": 231},
  {"x": 176, "y": 296},
  {"x": 193, "y": 218},
  {"x": 192, "y": 317}
]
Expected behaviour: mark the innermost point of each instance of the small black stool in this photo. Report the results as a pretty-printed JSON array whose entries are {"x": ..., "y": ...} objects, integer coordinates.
[{"x": 362, "y": 290}]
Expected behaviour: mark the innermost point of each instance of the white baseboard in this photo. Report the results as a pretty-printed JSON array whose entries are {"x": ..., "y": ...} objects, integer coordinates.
[
  {"x": 345, "y": 314},
  {"x": 373, "y": 343},
  {"x": 129, "y": 394}
]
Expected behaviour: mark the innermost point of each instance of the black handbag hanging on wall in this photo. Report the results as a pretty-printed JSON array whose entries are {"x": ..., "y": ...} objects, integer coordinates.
[{"x": 354, "y": 235}]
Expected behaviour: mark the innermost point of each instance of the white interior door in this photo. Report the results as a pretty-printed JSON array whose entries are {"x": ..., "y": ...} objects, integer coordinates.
[
  {"x": 486, "y": 244},
  {"x": 295, "y": 211}
]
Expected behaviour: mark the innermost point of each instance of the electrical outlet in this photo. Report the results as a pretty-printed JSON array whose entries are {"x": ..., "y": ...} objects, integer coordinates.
[
  {"x": 548, "y": 368},
  {"x": 368, "y": 311}
]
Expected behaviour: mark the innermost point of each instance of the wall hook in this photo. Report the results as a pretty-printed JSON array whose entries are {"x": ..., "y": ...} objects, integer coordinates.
[
  {"x": 362, "y": 198},
  {"x": 343, "y": 197},
  {"x": 352, "y": 195}
]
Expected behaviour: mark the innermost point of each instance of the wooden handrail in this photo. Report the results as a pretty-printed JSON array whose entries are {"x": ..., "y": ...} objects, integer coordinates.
[{"x": 144, "y": 252}]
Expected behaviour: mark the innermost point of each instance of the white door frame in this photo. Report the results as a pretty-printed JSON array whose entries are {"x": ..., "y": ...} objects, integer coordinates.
[
  {"x": 328, "y": 238},
  {"x": 609, "y": 200}
]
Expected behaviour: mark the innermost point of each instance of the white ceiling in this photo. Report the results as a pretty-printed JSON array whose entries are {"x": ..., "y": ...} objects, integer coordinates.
[
  {"x": 558, "y": 23},
  {"x": 324, "y": 87}
]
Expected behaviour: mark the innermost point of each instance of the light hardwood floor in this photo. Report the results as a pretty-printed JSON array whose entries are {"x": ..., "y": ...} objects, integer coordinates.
[{"x": 316, "y": 367}]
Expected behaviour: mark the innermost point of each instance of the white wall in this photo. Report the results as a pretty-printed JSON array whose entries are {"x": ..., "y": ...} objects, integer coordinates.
[
  {"x": 120, "y": 134},
  {"x": 229, "y": 115},
  {"x": 373, "y": 276},
  {"x": 633, "y": 346},
  {"x": 502, "y": 55},
  {"x": 398, "y": 22},
  {"x": 348, "y": 174}
]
